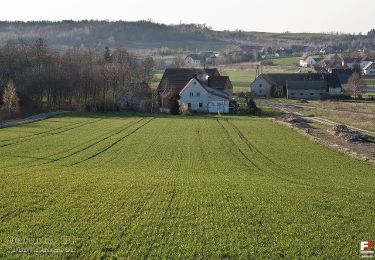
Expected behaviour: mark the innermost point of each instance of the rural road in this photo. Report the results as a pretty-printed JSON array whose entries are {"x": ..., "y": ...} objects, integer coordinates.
[
  {"x": 29, "y": 119},
  {"x": 287, "y": 109}
]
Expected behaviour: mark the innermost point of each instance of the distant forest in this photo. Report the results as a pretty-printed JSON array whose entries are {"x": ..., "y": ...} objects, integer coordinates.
[{"x": 96, "y": 35}]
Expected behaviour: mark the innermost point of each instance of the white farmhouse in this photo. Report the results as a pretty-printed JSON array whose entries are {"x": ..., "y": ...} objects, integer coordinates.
[
  {"x": 369, "y": 69},
  {"x": 307, "y": 61},
  {"x": 193, "y": 60},
  {"x": 198, "y": 97}
]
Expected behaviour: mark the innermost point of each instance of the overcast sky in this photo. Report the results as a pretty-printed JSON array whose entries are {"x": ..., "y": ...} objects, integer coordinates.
[{"x": 261, "y": 15}]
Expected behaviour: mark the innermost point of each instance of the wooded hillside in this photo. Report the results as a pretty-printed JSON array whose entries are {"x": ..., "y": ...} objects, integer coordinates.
[{"x": 145, "y": 34}]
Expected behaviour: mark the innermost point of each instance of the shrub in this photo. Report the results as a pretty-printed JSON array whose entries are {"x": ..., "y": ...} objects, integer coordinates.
[{"x": 174, "y": 105}]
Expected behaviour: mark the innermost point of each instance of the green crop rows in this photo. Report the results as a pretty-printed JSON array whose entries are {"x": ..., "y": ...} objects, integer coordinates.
[{"x": 97, "y": 186}]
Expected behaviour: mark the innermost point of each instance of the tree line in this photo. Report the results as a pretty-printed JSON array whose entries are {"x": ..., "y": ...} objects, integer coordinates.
[
  {"x": 76, "y": 79},
  {"x": 96, "y": 34}
]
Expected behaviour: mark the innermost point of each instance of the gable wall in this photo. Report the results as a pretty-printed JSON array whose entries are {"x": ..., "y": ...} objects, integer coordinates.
[
  {"x": 207, "y": 100},
  {"x": 260, "y": 88}
]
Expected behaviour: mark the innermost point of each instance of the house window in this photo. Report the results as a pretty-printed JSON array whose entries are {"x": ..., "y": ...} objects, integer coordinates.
[
  {"x": 198, "y": 94},
  {"x": 200, "y": 105},
  {"x": 192, "y": 94},
  {"x": 260, "y": 85},
  {"x": 301, "y": 94},
  {"x": 189, "y": 105},
  {"x": 260, "y": 92}
]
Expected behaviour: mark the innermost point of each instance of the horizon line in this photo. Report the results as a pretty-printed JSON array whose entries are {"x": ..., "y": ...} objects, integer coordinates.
[{"x": 181, "y": 23}]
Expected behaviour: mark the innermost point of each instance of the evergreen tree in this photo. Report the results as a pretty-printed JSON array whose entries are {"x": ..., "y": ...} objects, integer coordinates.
[{"x": 174, "y": 105}]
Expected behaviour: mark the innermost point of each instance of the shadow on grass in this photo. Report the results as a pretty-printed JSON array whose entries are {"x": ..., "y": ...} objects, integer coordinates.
[{"x": 266, "y": 113}]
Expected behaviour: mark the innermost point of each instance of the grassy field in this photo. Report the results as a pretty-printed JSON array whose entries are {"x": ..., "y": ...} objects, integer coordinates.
[
  {"x": 178, "y": 187},
  {"x": 291, "y": 61},
  {"x": 241, "y": 79}
]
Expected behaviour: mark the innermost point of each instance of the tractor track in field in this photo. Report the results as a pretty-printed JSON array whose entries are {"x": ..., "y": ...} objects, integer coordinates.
[
  {"x": 240, "y": 134},
  {"x": 105, "y": 137},
  {"x": 40, "y": 133},
  {"x": 275, "y": 174},
  {"x": 158, "y": 228},
  {"x": 113, "y": 144},
  {"x": 147, "y": 149},
  {"x": 36, "y": 134},
  {"x": 251, "y": 146},
  {"x": 138, "y": 212},
  {"x": 95, "y": 139},
  {"x": 230, "y": 138},
  {"x": 46, "y": 133}
]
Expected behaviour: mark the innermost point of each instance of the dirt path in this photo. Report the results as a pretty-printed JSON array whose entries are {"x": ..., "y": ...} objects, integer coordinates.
[
  {"x": 288, "y": 109},
  {"x": 29, "y": 119}
]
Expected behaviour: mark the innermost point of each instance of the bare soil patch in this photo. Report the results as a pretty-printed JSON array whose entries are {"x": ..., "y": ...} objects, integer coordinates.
[{"x": 340, "y": 137}]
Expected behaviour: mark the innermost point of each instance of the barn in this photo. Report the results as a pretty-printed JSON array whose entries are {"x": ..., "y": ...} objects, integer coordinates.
[{"x": 301, "y": 85}]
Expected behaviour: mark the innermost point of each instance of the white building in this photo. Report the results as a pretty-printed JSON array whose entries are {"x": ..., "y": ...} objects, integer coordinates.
[
  {"x": 193, "y": 60},
  {"x": 369, "y": 69},
  {"x": 198, "y": 97},
  {"x": 307, "y": 62},
  {"x": 261, "y": 87}
]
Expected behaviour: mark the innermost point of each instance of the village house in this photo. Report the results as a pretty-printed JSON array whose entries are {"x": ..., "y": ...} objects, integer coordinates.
[
  {"x": 331, "y": 50},
  {"x": 369, "y": 70},
  {"x": 283, "y": 52},
  {"x": 351, "y": 62},
  {"x": 193, "y": 60},
  {"x": 208, "y": 57},
  {"x": 307, "y": 61},
  {"x": 297, "y": 85},
  {"x": 197, "y": 59},
  {"x": 197, "y": 96},
  {"x": 331, "y": 61},
  {"x": 175, "y": 80}
]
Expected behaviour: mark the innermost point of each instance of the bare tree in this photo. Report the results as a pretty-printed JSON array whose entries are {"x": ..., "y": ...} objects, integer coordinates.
[
  {"x": 79, "y": 78},
  {"x": 356, "y": 85},
  {"x": 179, "y": 61},
  {"x": 165, "y": 93},
  {"x": 10, "y": 98}
]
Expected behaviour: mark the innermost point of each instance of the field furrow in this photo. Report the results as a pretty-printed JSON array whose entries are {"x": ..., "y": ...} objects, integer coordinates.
[{"x": 200, "y": 187}]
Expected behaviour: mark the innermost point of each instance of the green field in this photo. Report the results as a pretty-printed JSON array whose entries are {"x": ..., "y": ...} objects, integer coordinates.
[
  {"x": 241, "y": 79},
  {"x": 370, "y": 83},
  {"x": 290, "y": 61},
  {"x": 115, "y": 185}
]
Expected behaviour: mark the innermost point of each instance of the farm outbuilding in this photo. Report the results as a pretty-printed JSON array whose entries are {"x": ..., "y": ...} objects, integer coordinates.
[
  {"x": 299, "y": 89},
  {"x": 297, "y": 85}
]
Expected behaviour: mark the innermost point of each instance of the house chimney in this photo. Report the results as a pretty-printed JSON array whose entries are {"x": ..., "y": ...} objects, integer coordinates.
[{"x": 208, "y": 81}]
